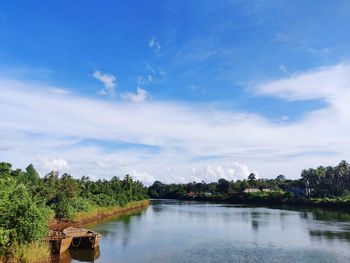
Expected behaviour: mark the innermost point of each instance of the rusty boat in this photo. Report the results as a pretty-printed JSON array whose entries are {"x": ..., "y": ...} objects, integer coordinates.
[{"x": 73, "y": 237}]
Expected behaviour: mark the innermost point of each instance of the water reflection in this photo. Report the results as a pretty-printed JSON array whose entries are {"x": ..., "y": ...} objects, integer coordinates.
[
  {"x": 330, "y": 235},
  {"x": 79, "y": 254},
  {"x": 177, "y": 231},
  {"x": 85, "y": 255}
]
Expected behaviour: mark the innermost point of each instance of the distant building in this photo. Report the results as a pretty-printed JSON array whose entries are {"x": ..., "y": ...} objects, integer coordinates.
[
  {"x": 251, "y": 190},
  {"x": 255, "y": 190},
  {"x": 297, "y": 191},
  {"x": 191, "y": 194}
]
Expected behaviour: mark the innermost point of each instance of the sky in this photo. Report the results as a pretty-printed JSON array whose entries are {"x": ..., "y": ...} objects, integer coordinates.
[{"x": 175, "y": 91}]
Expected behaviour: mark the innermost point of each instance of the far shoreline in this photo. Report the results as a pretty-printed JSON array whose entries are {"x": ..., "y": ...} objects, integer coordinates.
[{"x": 300, "y": 203}]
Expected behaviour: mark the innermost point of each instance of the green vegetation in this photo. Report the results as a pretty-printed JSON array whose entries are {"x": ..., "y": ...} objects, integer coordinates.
[
  {"x": 27, "y": 202},
  {"x": 323, "y": 186}
]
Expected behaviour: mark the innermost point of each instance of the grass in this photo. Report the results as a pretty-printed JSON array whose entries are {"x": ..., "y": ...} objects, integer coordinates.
[
  {"x": 29, "y": 253},
  {"x": 103, "y": 212}
]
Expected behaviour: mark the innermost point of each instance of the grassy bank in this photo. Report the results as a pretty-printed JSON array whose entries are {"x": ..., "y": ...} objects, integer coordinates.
[
  {"x": 30, "y": 253},
  {"x": 96, "y": 214},
  {"x": 99, "y": 213},
  {"x": 40, "y": 252}
]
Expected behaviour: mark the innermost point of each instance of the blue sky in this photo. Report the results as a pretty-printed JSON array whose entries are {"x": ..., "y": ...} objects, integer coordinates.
[{"x": 221, "y": 63}]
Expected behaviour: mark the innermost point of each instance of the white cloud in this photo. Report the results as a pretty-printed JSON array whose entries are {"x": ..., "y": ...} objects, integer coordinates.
[
  {"x": 143, "y": 81},
  {"x": 235, "y": 171},
  {"x": 140, "y": 96},
  {"x": 143, "y": 177},
  {"x": 154, "y": 44},
  {"x": 322, "y": 52},
  {"x": 323, "y": 83},
  {"x": 283, "y": 68},
  {"x": 151, "y": 69},
  {"x": 55, "y": 164},
  {"x": 108, "y": 81},
  {"x": 186, "y": 136},
  {"x": 162, "y": 72},
  {"x": 60, "y": 91}
]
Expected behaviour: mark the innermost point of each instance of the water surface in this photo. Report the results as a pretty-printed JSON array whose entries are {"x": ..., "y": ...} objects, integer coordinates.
[{"x": 180, "y": 231}]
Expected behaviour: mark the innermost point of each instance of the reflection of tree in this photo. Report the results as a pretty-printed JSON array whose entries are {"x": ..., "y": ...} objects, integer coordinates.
[
  {"x": 322, "y": 214},
  {"x": 328, "y": 216},
  {"x": 331, "y": 215},
  {"x": 255, "y": 224},
  {"x": 330, "y": 235},
  {"x": 260, "y": 219},
  {"x": 126, "y": 230}
]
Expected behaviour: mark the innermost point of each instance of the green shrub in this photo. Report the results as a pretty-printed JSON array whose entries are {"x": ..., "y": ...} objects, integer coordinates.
[
  {"x": 122, "y": 200},
  {"x": 80, "y": 204},
  {"x": 63, "y": 209},
  {"x": 104, "y": 200},
  {"x": 22, "y": 221}
]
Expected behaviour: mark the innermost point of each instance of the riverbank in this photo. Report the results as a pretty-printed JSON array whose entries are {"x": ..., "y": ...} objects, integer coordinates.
[
  {"x": 96, "y": 214},
  {"x": 40, "y": 252},
  {"x": 273, "y": 198}
]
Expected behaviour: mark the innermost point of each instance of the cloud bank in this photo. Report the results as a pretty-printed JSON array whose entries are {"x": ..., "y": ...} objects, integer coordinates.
[{"x": 173, "y": 141}]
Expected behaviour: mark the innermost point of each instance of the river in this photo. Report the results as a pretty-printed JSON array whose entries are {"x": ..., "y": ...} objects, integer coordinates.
[{"x": 183, "y": 231}]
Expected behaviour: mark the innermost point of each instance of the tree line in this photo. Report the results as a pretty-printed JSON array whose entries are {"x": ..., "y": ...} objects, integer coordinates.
[
  {"x": 315, "y": 184},
  {"x": 27, "y": 201}
]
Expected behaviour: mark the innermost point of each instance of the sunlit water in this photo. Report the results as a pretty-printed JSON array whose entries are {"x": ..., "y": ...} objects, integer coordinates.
[{"x": 177, "y": 231}]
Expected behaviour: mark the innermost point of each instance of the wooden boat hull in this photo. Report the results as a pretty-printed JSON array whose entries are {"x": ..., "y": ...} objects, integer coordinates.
[
  {"x": 96, "y": 241},
  {"x": 73, "y": 237},
  {"x": 86, "y": 241},
  {"x": 61, "y": 245}
]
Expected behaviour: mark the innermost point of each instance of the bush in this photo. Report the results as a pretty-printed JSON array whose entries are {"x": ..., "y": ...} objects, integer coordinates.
[
  {"x": 22, "y": 221},
  {"x": 63, "y": 209},
  {"x": 122, "y": 200},
  {"x": 103, "y": 200},
  {"x": 4, "y": 241},
  {"x": 80, "y": 204}
]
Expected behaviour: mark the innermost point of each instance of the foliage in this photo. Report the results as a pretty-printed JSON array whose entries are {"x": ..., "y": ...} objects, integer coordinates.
[
  {"x": 327, "y": 181},
  {"x": 67, "y": 195},
  {"x": 19, "y": 213},
  {"x": 27, "y": 201},
  {"x": 326, "y": 186},
  {"x": 22, "y": 221}
]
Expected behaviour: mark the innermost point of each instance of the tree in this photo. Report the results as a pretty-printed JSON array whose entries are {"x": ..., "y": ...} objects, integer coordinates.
[
  {"x": 5, "y": 169},
  {"x": 32, "y": 174},
  {"x": 19, "y": 213},
  {"x": 223, "y": 186},
  {"x": 281, "y": 178},
  {"x": 252, "y": 179}
]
